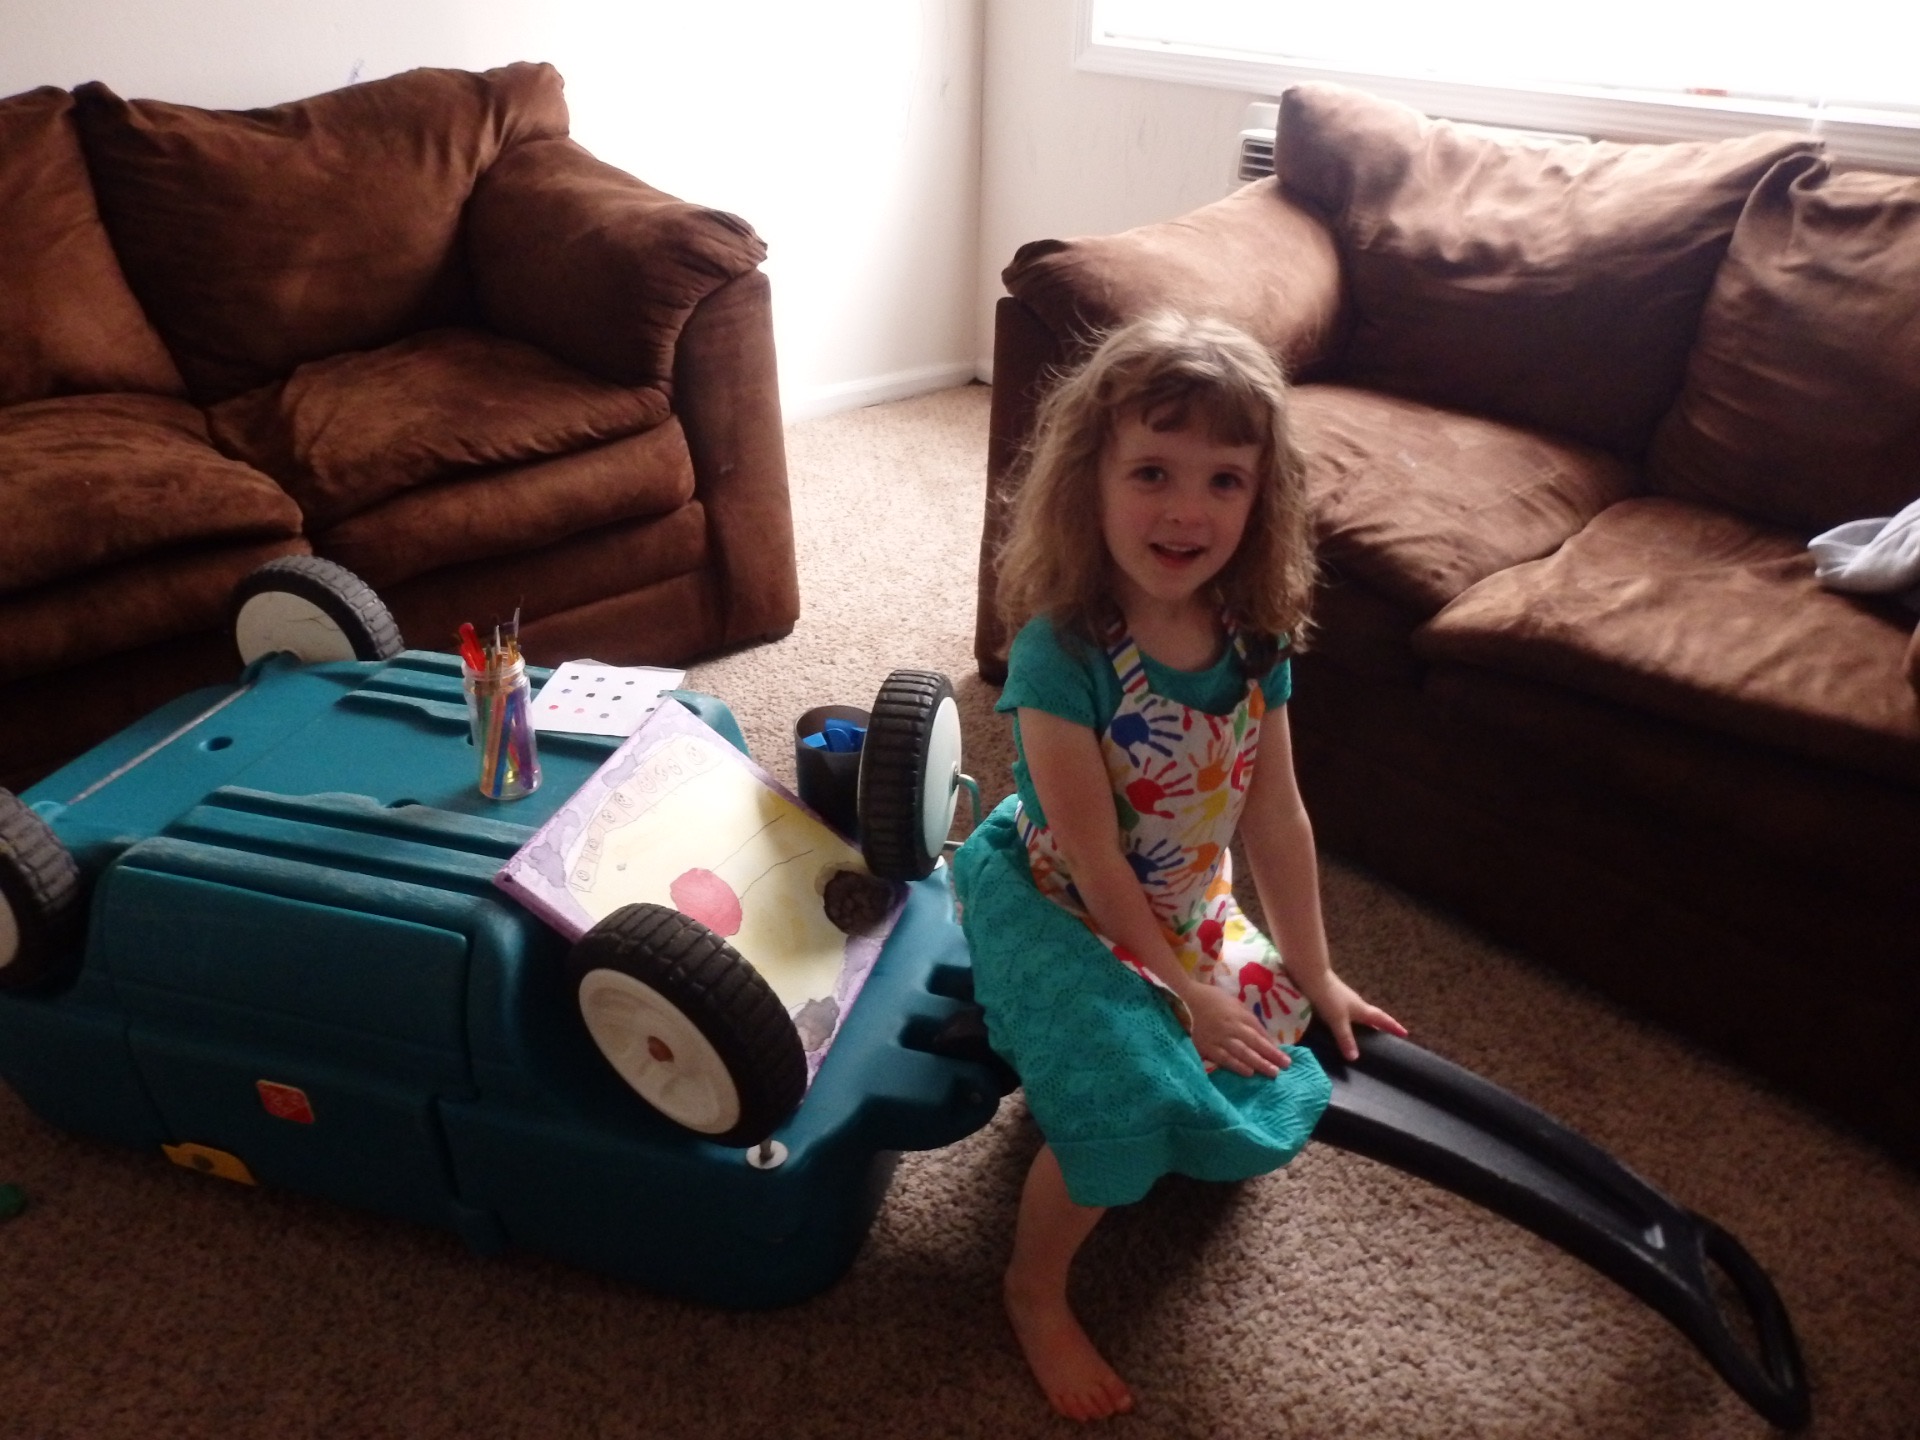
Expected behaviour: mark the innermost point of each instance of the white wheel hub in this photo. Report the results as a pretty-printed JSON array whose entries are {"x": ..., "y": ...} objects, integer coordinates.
[
  {"x": 940, "y": 787},
  {"x": 9, "y": 935},
  {"x": 277, "y": 620},
  {"x": 659, "y": 1051}
]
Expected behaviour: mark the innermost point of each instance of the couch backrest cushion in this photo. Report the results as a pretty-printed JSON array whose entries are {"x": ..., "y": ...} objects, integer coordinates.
[
  {"x": 1554, "y": 284},
  {"x": 261, "y": 239},
  {"x": 68, "y": 322},
  {"x": 1802, "y": 397}
]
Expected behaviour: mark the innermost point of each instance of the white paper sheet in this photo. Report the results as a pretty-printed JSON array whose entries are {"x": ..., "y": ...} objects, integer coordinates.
[{"x": 585, "y": 697}]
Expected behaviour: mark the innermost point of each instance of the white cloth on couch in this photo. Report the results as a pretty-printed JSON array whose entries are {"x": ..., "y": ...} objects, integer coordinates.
[{"x": 1872, "y": 557}]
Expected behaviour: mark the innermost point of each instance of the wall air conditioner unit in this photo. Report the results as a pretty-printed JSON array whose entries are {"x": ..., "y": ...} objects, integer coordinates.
[{"x": 1254, "y": 158}]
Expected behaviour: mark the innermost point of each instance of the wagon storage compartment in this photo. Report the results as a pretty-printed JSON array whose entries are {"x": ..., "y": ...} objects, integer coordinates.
[{"x": 306, "y": 1037}]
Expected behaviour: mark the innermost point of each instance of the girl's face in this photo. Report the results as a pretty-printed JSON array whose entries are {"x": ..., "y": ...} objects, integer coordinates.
[{"x": 1173, "y": 506}]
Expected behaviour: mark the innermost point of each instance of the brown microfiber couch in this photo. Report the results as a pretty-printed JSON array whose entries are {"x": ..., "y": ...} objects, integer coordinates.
[
  {"x": 409, "y": 326},
  {"x": 1571, "y": 413}
]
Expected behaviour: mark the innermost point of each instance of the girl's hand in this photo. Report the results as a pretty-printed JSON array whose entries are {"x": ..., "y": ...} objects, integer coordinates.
[
  {"x": 1226, "y": 1033},
  {"x": 1341, "y": 1006}
]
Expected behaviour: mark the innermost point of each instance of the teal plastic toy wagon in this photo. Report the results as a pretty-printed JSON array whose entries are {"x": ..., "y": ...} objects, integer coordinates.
[{"x": 259, "y": 933}]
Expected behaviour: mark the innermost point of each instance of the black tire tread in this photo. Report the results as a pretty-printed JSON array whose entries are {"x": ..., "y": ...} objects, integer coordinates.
[
  {"x": 353, "y": 604},
  {"x": 893, "y": 763},
  {"x": 42, "y": 885},
  {"x": 721, "y": 993}
]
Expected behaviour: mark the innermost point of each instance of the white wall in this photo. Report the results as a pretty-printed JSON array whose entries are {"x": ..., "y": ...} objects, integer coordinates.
[
  {"x": 1069, "y": 153},
  {"x": 845, "y": 131}
]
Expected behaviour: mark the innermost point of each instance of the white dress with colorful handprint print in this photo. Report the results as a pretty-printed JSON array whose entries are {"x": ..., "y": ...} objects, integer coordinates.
[{"x": 1101, "y": 1047}]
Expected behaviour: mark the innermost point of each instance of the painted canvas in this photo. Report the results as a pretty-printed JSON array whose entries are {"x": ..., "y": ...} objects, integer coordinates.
[{"x": 680, "y": 817}]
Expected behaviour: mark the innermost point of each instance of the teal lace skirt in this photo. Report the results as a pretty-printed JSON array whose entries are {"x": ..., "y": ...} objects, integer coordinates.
[{"x": 1111, "y": 1077}]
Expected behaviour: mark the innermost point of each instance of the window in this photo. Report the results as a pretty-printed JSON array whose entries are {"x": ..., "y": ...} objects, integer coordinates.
[{"x": 1633, "y": 69}]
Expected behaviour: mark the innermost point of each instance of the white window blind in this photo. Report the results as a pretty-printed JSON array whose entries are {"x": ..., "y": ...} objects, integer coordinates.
[{"x": 1849, "y": 69}]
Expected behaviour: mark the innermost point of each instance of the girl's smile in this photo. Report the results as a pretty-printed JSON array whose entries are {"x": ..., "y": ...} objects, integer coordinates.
[{"x": 1173, "y": 506}]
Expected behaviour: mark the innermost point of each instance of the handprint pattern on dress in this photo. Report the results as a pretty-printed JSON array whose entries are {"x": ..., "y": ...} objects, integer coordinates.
[{"x": 1180, "y": 778}]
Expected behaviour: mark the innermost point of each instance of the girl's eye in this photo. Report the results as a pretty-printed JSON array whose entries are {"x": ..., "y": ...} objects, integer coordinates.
[
  {"x": 1150, "y": 474},
  {"x": 1228, "y": 480}
]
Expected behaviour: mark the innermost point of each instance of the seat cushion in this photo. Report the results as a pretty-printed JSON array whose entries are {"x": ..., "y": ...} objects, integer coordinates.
[
  {"x": 261, "y": 239},
  {"x": 569, "y": 576},
  {"x": 70, "y": 323},
  {"x": 153, "y": 598},
  {"x": 501, "y": 513},
  {"x": 99, "y": 698},
  {"x": 90, "y": 481},
  {"x": 1421, "y": 503},
  {"x": 1704, "y": 617},
  {"x": 1555, "y": 284},
  {"x": 346, "y": 433},
  {"x": 1802, "y": 397}
]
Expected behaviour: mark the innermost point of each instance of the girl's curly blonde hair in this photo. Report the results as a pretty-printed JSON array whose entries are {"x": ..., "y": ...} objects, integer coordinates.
[{"x": 1171, "y": 371}]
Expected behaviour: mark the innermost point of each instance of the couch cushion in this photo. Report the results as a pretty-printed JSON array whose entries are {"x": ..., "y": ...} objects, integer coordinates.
[
  {"x": 260, "y": 239},
  {"x": 1704, "y": 617},
  {"x": 153, "y": 598},
  {"x": 70, "y": 323},
  {"x": 1253, "y": 259},
  {"x": 1556, "y": 284},
  {"x": 348, "y": 432},
  {"x": 88, "y": 481},
  {"x": 1802, "y": 397},
  {"x": 1420, "y": 503},
  {"x": 500, "y": 513},
  {"x": 576, "y": 573}
]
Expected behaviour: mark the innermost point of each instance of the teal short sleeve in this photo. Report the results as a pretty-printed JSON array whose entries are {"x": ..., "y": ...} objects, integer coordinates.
[
  {"x": 1044, "y": 673},
  {"x": 1277, "y": 684}
]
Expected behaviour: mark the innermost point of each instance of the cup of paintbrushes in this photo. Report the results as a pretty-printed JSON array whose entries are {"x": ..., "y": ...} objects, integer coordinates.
[{"x": 500, "y": 711}]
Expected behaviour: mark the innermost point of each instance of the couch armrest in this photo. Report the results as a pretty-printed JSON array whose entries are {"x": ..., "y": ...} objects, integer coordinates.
[
  {"x": 592, "y": 265},
  {"x": 1254, "y": 259},
  {"x": 1026, "y": 355},
  {"x": 727, "y": 394}
]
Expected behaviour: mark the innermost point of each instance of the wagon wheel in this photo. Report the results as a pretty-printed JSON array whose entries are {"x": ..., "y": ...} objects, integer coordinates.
[
  {"x": 689, "y": 1023},
  {"x": 40, "y": 907},
  {"x": 313, "y": 608},
  {"x": 909, "y": 774}
]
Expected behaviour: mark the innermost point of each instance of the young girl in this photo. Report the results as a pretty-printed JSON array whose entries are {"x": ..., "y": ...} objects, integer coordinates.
[{"x": 1158, "y": 569}]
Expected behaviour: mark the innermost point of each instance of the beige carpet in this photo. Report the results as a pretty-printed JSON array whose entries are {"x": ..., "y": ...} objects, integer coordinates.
[{"x": 1337, "y": 1298}]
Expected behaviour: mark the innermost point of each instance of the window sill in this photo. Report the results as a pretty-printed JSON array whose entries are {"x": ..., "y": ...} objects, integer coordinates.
[{"x": 1880, "y": 140}]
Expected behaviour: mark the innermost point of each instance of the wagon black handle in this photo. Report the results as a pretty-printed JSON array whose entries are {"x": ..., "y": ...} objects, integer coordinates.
[
  {"x": 1775, "y": 1382},
  {"x": 1409, "y": 1108}
]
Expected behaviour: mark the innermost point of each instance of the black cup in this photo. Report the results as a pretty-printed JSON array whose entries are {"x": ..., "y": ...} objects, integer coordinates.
[{"x": 829, "y": 779}]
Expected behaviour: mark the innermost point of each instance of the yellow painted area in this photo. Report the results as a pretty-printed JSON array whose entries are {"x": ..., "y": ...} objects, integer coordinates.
[
  {"x": 209, "y": 1161},
  {"x": 689, "y": 807}
]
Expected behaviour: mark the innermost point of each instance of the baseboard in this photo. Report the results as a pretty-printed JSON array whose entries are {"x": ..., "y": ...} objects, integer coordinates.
[{"x": 816, "y": 400}]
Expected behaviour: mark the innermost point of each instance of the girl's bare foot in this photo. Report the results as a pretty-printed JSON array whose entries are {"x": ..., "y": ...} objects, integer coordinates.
[{"x": 1080, "y": 1384}]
